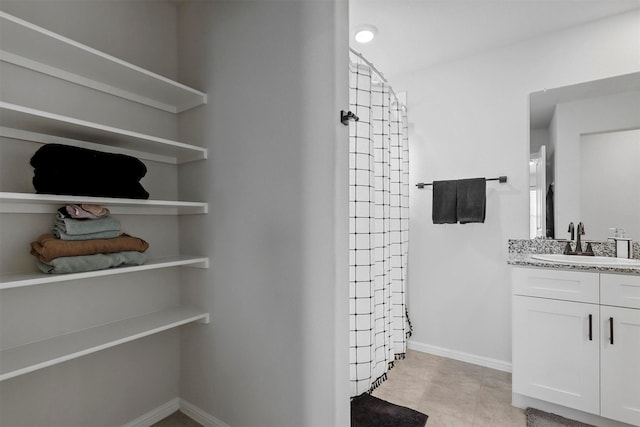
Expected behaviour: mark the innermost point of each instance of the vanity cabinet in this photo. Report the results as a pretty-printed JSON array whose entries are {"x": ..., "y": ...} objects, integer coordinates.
[{"x": 576, "y": 340}]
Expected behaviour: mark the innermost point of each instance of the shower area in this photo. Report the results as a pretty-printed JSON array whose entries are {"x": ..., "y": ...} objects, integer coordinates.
[{"x": 379, "y": 325}]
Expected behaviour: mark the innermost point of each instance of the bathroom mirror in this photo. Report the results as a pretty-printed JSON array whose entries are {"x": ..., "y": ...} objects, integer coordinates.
[{"x": 585, "y": 158}]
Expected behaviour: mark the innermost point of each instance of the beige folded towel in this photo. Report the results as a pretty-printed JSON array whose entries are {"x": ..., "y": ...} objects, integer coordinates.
[{"x": 48, "y": 247}]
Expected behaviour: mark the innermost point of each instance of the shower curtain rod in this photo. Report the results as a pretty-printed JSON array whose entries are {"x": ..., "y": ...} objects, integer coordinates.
[
  {"x": 500, "y": 179},
  {"x": 359, "y": 55},
  {"x": 373, "y": 67}
]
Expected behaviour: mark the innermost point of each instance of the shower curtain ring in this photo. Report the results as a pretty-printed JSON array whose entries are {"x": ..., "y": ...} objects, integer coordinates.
[{"x": 345, "y": 116}]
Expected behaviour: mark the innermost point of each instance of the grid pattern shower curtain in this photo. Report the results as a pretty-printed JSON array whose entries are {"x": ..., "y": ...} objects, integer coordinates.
[{"x": 378, "y": 227}]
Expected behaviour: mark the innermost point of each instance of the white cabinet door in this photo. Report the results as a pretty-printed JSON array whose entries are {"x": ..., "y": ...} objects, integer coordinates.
[
  {"x": 620, "y": 364},
  {"x": 556, "y": 352}
]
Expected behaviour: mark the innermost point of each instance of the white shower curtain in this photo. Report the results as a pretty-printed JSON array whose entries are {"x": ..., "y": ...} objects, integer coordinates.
[{"x": 378, "y": 226}]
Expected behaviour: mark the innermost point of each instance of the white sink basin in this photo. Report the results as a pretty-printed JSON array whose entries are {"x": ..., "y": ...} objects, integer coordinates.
[{"x": 588, "y": 260}]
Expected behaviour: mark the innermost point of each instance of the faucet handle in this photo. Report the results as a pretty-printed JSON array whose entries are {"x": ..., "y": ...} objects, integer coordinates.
[
  {"x": 567, "y": 249},
  {"x": 571, "y": 230}
]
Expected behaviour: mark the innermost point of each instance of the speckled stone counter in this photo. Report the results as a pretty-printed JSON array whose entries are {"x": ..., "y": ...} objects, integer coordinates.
[{"x": 520, "y": 252}]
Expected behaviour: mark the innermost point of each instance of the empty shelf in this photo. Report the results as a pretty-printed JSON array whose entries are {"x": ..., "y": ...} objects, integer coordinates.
[
  {"x": 30, "y": 46},
  {"x": 16, "y": 280},
  {"x": 49, "y": 203},
  {"x": 41, "y": 354},
  {"x": 32, "y": 122}
]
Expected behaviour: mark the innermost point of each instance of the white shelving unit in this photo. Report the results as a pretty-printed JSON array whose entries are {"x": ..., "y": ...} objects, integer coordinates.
[
  {"x": 41, "y": 354},
  {"x": 34, "y": 122},
  {"x": 30, "y": 46},
  {"x": 17, "y": 280},
  {"x": 49, "y": 203}
]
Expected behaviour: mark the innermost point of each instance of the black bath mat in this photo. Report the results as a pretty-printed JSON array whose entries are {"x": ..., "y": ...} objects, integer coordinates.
[{"x": 369, "y": 411}]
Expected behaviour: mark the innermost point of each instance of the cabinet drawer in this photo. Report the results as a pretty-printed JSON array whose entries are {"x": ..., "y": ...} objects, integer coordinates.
[
  {"x": 620, "y": 290},
  {"x": 580, "y": 286}
]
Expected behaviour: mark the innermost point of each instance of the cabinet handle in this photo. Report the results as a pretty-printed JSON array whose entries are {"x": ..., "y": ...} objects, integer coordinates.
[
  {"x": 611, "y": 330},
  {"x": 591, "y": 327}
]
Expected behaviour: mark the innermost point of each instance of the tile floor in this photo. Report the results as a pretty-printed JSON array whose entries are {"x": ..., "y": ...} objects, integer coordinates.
[{"x": 452, "y": 393}]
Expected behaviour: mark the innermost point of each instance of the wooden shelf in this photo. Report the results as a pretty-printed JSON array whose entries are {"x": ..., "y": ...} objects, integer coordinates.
[
  {"x": 49, "y": 203},
  {"x": 17, "y": 280},
  {"x": 30, "y": 46},
  {"x": 31, "y": 357},
  {"x": 29, "y": 121}
]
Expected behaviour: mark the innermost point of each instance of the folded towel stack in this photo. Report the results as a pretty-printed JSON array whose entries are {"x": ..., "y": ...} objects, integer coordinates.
[
  {"x": 62, "y": 169},
  {"x": 92, "y": 243}
]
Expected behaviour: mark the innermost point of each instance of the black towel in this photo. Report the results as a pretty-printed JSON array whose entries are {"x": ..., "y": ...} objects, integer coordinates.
[
  {"x": 62, "y": 169},
  {"x": 444, "y": 202},
  {"x": 472, "y": 200},
  {"x": 65, "y": 159}
]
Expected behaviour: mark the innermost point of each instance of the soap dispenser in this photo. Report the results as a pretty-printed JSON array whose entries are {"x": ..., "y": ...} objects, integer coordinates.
[{"x": 623, "y": 244}]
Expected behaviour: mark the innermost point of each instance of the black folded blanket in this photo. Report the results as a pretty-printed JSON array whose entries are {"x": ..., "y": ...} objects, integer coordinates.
[
  {"x": 62, "y": 169},
  {"x": 64, "y": 158}
]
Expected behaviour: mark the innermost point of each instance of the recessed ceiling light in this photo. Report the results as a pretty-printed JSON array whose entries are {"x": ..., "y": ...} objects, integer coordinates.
[{"x": 365, "y": 33}]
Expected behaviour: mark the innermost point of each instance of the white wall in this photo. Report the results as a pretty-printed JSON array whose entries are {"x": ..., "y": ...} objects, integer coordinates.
[
  {"x": 114, "y": 386},
  {"x": 276, "y": 353},
  {"x": 470, "y": 118}
]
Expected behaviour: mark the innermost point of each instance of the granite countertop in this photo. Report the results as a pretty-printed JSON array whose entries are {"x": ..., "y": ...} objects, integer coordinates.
[
  {"x": 520, "y": 252},
  {"x": 526, "y": 260}
]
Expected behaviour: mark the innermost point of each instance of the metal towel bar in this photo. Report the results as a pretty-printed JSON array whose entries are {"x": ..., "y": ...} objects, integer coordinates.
[{"x": 500, "y": 179}]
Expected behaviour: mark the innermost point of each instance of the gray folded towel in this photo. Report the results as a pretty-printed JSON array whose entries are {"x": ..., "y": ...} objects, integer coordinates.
[
  {"x": 444, "y": 202},
  {"x": 86, "y": 229},
  {"x": 78, "y": 264},
  {"x": 88, "y": 236},
  {"x": 472, "y": 200}
]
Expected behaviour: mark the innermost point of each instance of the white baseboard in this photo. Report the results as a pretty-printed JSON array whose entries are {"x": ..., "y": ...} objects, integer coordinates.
[
  {"x": 156, "y": 414},
  {"x": 172, "y": 406},
  {"x": 488, "y": 362},
  {"x": 207, "y": 420}
]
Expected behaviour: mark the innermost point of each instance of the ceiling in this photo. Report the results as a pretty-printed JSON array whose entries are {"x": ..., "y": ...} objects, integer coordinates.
[{"x": 417, "y": 34}]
